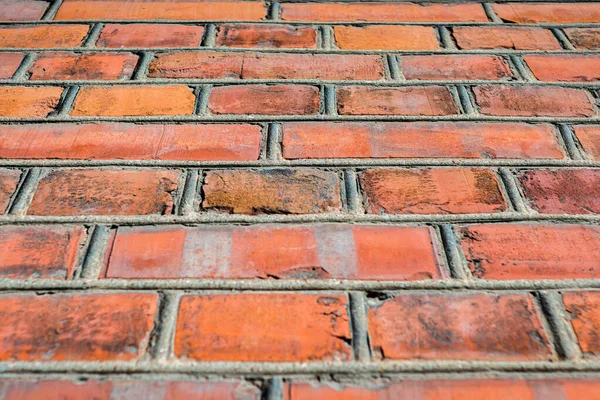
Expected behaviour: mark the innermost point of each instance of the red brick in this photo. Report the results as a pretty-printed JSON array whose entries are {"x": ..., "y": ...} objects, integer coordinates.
[
  {"x": 479, "y": 326},
  {"x": 564, "y": 68},
  {"x": 9, "y": 180},
  {"x": 159, "y": 10},
  {"x": 94, "y": 66},
  {"x": 431, "y": 191},
  {"x": 589, "y": 137},
  {"x": 28, "y": 102},
  {"x": 43, "y": 36},
  {"x": 207, "y": 65},
  {"x": 533, "y": 101},
  {"x": 584, "y": 38},
  {"x": 505, "y": 38},
  {"x": 584, "y": 312},
  {"x": 105, "y": 192},
  {"x": 48, "y": 252},
  {"x": 292, "y": 252},
  {"x": 116, "y": 101},
  {"x": 516, "y": 251},
  {"x": 386, "y": 38},
  {"x": 22, "y": 10},
  {"x": 9, "y": 62},
  {"x": 562, "y": 191},
  {"x": 76, "y": 327},
  {"x": 455, "y": 67},
  {"x": 143, "y": 389},
  {"x": 280, "y": 190},
  {"x": 268, "y": 36},
  {"x": 428, "y": 100},
  {"x": 108, "y": 141},
  {"x": 263, "y": 327},
  {"x": 150, "y": 35},
  {"x": 562, "y": 13},
  {"x": 404, "y": 12}
]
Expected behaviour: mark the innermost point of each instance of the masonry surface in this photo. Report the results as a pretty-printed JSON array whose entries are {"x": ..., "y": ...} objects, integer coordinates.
[{"x": 299, "y": 200}]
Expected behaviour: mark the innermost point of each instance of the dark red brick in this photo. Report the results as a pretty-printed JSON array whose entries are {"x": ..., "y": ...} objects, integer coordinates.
[{"x": 150, "y": 35}]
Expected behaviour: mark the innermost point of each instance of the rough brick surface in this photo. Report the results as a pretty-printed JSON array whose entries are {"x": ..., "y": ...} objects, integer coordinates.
[
  {"x": 582, "y": 308},
  {"x": 9, "y": 180},
  {"x": 455, "y": 67},
  {"x": 564, "y": 68},
  {"x": 589, "y": 137},
  {"x": 22, "y": 10},
  {"x": 505, "y": 38},
  {"x": 9, "y": 62},
  {"x": 150, "y": 35},
  {"x": 385, "y": 38},
  {"x": 99, "y": 66},
  {"x": 27, "y": 101},
  {"x": 43, "y": 36},
  {"x": 584, "y": 38},
  {"x": 562, "y": 13},
  {"x": 268, "y": 36}
]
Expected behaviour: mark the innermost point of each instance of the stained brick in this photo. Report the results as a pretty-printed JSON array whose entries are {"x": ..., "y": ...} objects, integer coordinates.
[
  {"x": 268, "y": 36},
  {"x": 108, "y": 141},
  {"x": 584, "y": 312},
  {"x": 589, "y": 137},
  {"x": 566, "y": 68},
  {"x": 265, "y": 99},
  {"x": 115, "y": 101},
  {"x": 28, "y": 102},
  {"x": 43, "y": 36},
  {"x": 9, "y": 62},
  {"x": 294, "y": 252},
  {"x": 431, "y": 191},
  {"x": 505, "y": 38},
  {"x": 386, "y": 38},
  {"x": 504, "y": 327},
  {"x": 105, "y": 192},
  {"x": 278, "y": 190},
  {"x": 534, "y": 101},
  {"x": 455, "y": 67},
  {"x": 76, "y": 327},
  {"x": 263, "y": 327},
  {"x": 22, "y": 10},
  {"x": 428, "y": 100},
  {"x": 521, "y": 251},
  {"x": 48, "y": 252},
  {"x": 562, "y": 13},
  {"x": 8, "y": 184},
  {"x": 93, "y": 66},
  {"x": 150, "y": 35},
  {"x": 584, "y": 38},
  {"x": 208, "y": 65}
]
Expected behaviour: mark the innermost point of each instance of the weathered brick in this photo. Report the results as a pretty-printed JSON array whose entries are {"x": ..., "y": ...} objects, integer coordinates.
[
  {"x": 533, "y": 101},
  {"x": 9, "y": 180},
  {"x": 48, "y": 252},
  {"x": 584, "y": 312},
  {"x": 159, "y": 10},
  {"x": 431, "y": 191},
  {"x": 562, "y": 191},
  {"x": 265, "y": 99},
  {"x": 455, "y": 67},
  {"x": 278, "y": 190},
  {"x": 268, "y": 36},
  {"x": 584, "y": 38},
  {"x": 115, "y": 101},
  {"x": 566, "y": 68},
  {"x": 150, "y": 35},
  {"x": 386, "y": 38},
  {"x": 427, "y": 100},
  {"x": 294, "y": 252},
  {"x": 539, "y": 12},
  {"x": 207, "y": 65},
  {"x": 475, "y": 37},
  {"x": 22, "y": 10},
  {"x": 76, "y": 327},
  {"x": 93, "y": 66},
  {"x": 404, "y": 12},
  {"x": 263, "y": 327},
  {"x": 105, "y": 192},
  {"x": 28, "y": 102},
  {"x": 43, "y": 36},
  {"x": 504, "y": 327},
  {"x": 9, "y": 62},
  {"x": 589, "y": 137},
  {"x": 518, "y": 251},
  {"x": 108, "y": 141}
]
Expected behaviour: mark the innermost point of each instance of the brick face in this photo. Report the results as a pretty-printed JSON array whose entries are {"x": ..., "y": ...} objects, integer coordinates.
[
  {"x": 385, "y": 38},
  {"x": 582, "y": 308},
  {"x": 565, "y": 68},
  {"x": 9, "y": 62},
  {"x": 267, "y": 36},
  {"x": 584, "y": 38},
  {"x": 66, "y": 66},
  {"x": 589, "y": 137},
  {"x": 22, "y": 10},
  {"x": 27, "y": 101},
  {"x": 150, "y": 35},
  {"x": 9, "y": 180},
  {"x": 505, "y": 38},
  {"x": 561, "y": 13},
  {"x": 455, "y": 67},
  {"x": 43, "y": 36}
]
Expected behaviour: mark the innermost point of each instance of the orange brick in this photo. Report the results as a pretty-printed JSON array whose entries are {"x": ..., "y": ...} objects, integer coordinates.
[
  {"x": 584, "y": 311},
  {"x": 589, "y": 137},
  {"x": 9, "y": 62},
  {"x": 150, "y": 35},
  {"x": 455, "y": 67},
  {"x": 115, "y": 101},
  {"x": 428, "y": 100},
  {"x": 265, "y": 99},
  {"x": 43, "y": 36},
  {"x": 475, "y": 37},
  {"x": 533, "y": 101},
  {"x": 105, "y": 192},
  {"x": 279, "y": 190},
  {"x": 504, "y": 327},
  {"x": 518, "y": 251},
  {"x": 48, "y": 252},
  {"x": 28, "y": 102},
  {"x": 565, "y": 68},
  {"x": 263, "y": 327},
  {"x": 584, "y": 38},
  {"x": 108, "y": 141},
  {"x": 22, "y": 10},
  {"x": 431, "y": 191},
  {"x": 268, "y": 36},
  {"x": 76, "y": 327},
  {"x": 386, "y": 38},
  {"x": 539, "y": 12},
  {"x": 94, "y": 66},
  {"x": 9, "y": 180}
]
